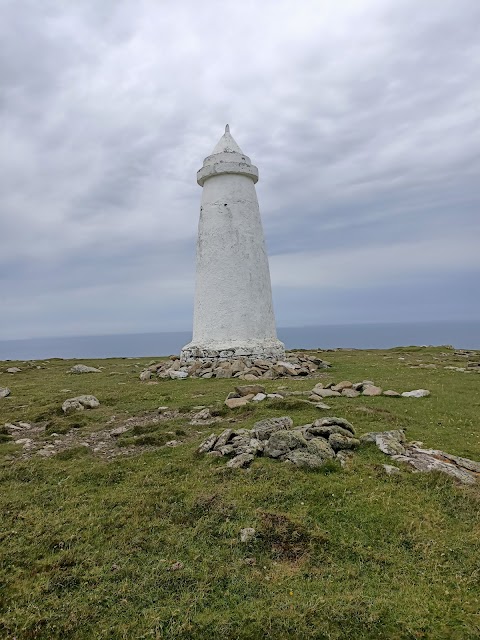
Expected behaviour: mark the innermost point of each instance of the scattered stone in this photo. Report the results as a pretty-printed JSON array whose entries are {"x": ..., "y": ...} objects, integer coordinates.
[
  {"x": 322, "y": 405},
  {"x": 233, "y": 403},
  {"x": 417, "y": 393},
  {"x": 80, "y": 403},
  {"x": 223, "y": 439},
  {"x": 13, "y": 370},
  {"x": 391, "y": 394},
  {"x": 173, "y": 443},
  {"x": 390, "y": 442},
  {"x": 250, "y": 390},
  {"x": 350, "y": 393},
  {"x": 259, "y": 397},
  {"x": 208, "y": 444},
  {"x": 202, "y": 415},
  {"x": 240, "y": 461},
  {"x": 145, "y": 375},
  {"x": 4, "y": 392},
  {"x": 82, "y": 368},
  {"x": 338, "y": 442},
  {"x": 327, "y": 393},
  {"x": 345, "y": 384},
  {"x": 371, "y": 390},
  {"x": 247, "y": 534},
  {"x": 177, "y": 375},
  {"x": 390, "y": 469},
  {"x": 333, "y": 420},
  {"x": 275, "y": 395},
  {"x": 114, "y": 433},
  {"x": 263, "y": 429}
]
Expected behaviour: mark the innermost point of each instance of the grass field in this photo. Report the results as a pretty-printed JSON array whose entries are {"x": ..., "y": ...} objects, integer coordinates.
[{"x": 89, "y": 546}]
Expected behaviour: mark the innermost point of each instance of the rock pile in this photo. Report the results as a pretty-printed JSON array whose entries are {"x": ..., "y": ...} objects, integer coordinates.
[
  {"x": 394, "y": 444},
  {"x": 307, "y": 446},
  {"x": 244, "y": 368}
]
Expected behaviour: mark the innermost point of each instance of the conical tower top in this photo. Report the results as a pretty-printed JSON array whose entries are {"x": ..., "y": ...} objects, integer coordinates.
[{"x": 227, "y": 144}]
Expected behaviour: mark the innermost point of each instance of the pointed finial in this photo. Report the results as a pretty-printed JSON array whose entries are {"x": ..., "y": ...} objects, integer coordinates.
[{"x": 227, "y": 128}]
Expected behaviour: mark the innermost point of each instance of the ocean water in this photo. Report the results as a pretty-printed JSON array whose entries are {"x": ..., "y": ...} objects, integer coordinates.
[{"x": 464, "y": 335}]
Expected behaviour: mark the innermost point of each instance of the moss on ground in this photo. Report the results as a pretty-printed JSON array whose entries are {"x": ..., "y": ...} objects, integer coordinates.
[{"x": 89, "y": 546}]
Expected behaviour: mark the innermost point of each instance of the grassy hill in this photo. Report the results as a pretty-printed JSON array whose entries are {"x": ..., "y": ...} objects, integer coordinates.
[{"x": 141, "y": 540}]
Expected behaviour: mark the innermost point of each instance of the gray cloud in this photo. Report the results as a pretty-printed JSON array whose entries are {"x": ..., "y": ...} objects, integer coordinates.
[{"x": 362, "y": 117}]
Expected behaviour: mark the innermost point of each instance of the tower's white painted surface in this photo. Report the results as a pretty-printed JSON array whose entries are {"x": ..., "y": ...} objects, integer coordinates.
[{"x": 233, "y": 313}]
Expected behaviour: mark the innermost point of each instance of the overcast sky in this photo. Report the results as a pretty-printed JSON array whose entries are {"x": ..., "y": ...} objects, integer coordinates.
[{"x": 363, "y": 118}]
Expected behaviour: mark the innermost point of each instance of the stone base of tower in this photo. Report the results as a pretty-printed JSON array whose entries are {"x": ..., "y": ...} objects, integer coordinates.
[{"x": 258, "y": 350}]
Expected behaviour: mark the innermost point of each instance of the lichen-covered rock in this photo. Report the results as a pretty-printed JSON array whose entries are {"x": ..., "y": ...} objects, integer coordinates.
[
  {"x": 240, "y": 461},
  {"x": 82, "y": 368},
  {"x": 326, "y": 432},
  {"x": 390, "y": 442},
  {"x": 371, "y": 390},
  {"x": 338, "y": 442},
  {"x": 281, "y": 442},
  {"x": 320, "y": 447},
  {"x": 223, "y": 438},
  {"x": 263, "y": 429},
  {"x": 208, "y": 444},
  {"x": 326, "y": 393},
  {"x": 333, "y": 420},
  {"x": 304, "y": 460},
  {"x": 80, "y": 403}
]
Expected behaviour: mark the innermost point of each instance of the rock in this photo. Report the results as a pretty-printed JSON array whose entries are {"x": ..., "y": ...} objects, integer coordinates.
[
  {"x": 173, "y": 443},
  {"x": 202, "y": 415},
  {"x": 338, "y": 442},
  {"x": 114, "y": 433},
  {"x": 333, "y": 420},
  {"x": 390, "y": 469},
  {"x": 390, "y": 442},
  {"x": 281, "y": 442},
  {"x": 259, "y": 397},
  {"x": 4, "y": 392},
  {"x": 247, "y": 534},
  {"x": 345, "y": 384},
  {"x": 25, "y": 442},
  {"x": 233, "y": 403},
  {"x": 344, "y": 457},
  {"x": 208, "y": 444},
  {"x": 371, "y": 390},
  {"x": 249, "y": 376},
  {"x": 226, "y": 450},
  {"x": 13, "y": 370},
  {"x": 240, "y": 461},
  {"x": 274, "y": 395},
  {"x": 417, "y": 393},
  {"x": 250, "y": 389},
  {"x": 80, "y": 403},
  {"x": 320, "y": 447},
  {"x": 223, "y": 439},
  {"x": 322, "y": 405},
  {"x": 145, "y": 375},
  {"x": 391, "y": 394},
  {"x": 327, "y": 393},
  {"x": 427, "y": 460},
  {"x": 82, "y": 368},
  {"x": 177, "y": 375},
  {"x": 350, "y": 393},
  {"x": 304, "y": 460},
  {"x": 263, "y": 429},
  {"x": 327, "y": 431}
]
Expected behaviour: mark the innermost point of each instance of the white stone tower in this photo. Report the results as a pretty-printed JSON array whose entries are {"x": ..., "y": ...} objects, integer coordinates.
[{"x": 233, "y": 313}]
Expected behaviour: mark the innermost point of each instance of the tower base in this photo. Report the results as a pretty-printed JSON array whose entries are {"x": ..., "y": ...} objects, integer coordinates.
[{"x": 257, "y": 350}]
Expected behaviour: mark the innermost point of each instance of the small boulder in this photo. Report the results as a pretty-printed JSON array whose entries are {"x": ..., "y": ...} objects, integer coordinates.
[
  {"x": 350, "y": 393},
  {"x": 177, "y": 375},
  {"x": 320, "y": 447},
  {"x": 281, "y": 442},
  {"x": 333, "y": 420},
  {"x": 416, "y": 393},
  {"x": 82, "y": 368},
  {"x": 223, "y": 439},
  {"x": 145, "y": 375},
  {"x": 391, "y": 394},
  {"x": 338, "y": 442},
  {"x": 345, "y": 384},
  {"x": 250, "y": 389},
  {"x": 371, "y": 390},
  {"x": 208, "y": 444},
  {"x": 259, "y": 397},
  {"x": 233, "y": 403},
  {"x": 13, "y": 370},
  {"x": 240, "y": 461},
  {"x": 327, "y": 431},
  {"x": 4, "y": 392},
  {"x": 80, "y": 403},
  {"x": 263, "y": 429},
  {"x": 327, "y": 393},
  {"x": 247, "y": 534}
]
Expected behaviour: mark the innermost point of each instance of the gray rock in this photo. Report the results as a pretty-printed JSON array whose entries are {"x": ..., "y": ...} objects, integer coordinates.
[
  {"x": 345, "y": 384},
  {"x": 80, "y": 403},
  {"x": 177, "y": 375},
  {"x": 391, "y": 394},
  {"x": 416, "y": 393},
  {"x": 281, "y": 442},
  {"x": 333, "y": 420},
  {"x": 233, "y": 403},
  {"x": 13, "y": 370},
  {"x": 263, "y": 429},
  {"x": 390, "y": 442},
  {"x": 145, "y": 375},
  {"x": 208, "y": 444},
  {"x": 240, "y": 461},
  {"x": 338, "y": 442},
  {"x": 327, "y": 393},
  {"x": 259, "y": 397},
  {"x": 344, "y": 457},
  {"x": 223, "y": 438},
  {"x": 82, "y": 368},
  {"x": 4, "y": 392},
  {"x": 247, "y": 534},
  {"x": 390, "y": 469},
  {"x": 320, "y": 447},
  {"x": 322, "y": 405},
  {"x": 371, "y": 390},
  {"x": 250, "y": 389},
  {"x": 305, "y": 460},
  {"x": 350, "y": 393},
  {"x": 326, "y": 432},
  {"x": 226, "y": 450}
]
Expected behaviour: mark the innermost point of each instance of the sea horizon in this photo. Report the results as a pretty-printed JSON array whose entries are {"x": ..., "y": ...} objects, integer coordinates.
[{"x": 459, "y": 334}]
